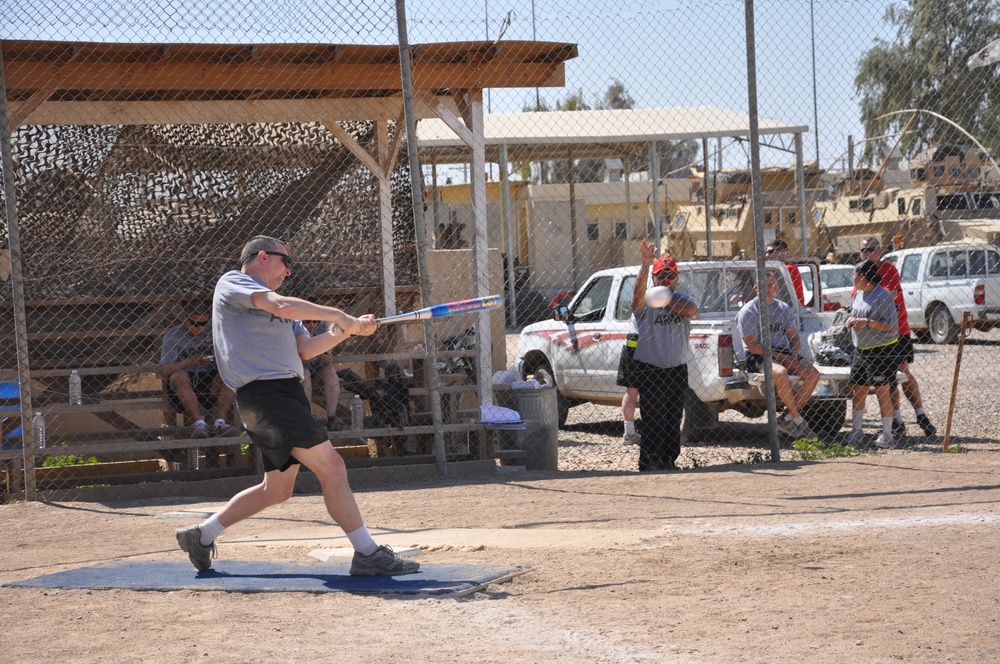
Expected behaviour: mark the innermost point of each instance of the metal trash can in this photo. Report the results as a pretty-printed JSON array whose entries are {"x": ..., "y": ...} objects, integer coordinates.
[{"x": 540, "y": 439}]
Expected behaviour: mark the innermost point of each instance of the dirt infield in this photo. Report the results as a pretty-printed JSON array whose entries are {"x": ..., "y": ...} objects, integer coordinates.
[{"x": 882, "y": 558}]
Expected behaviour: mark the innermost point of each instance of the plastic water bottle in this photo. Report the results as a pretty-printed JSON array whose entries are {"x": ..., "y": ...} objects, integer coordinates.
[
  {"x": 357, "y": 413},
  {"x": 38, "y": 425},
  {"x": 75, "y": 389}
]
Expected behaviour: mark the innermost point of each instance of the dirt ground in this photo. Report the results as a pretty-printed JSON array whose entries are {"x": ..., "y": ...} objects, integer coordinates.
[{"x": 881, "y": 558}]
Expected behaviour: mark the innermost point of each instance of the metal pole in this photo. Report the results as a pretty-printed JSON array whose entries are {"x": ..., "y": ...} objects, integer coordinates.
[
  {"x": 758, "y": 228},
  {"x": 850, "y": 158},
  {"x": 538, "y": 98},
  {"x": 509, "y": 228},
  {"x": 800, "y": 186},
  {"x": 574, "y": 243},
  {"x": 17, "y": 282},
  {"x": 654, "y": 175},
  {"x": 435, "y": 195},
  {"x": 628, "y": 201},
  {"x": 708, "y": 199},
  {"x": 421, "y": 237},
  {"x": 812, "y": 31}
]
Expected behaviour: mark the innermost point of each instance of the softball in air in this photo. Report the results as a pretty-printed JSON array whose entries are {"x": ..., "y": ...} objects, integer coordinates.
[{"x": 658, "y": 296}]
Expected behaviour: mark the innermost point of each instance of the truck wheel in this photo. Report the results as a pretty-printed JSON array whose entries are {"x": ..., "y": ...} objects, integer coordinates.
[
  {"x": 699, "y": 418},
  {"x": 544, "y": 375},
  {"x": 942, "y": 326},
  {"x": 826, "y": 417}
]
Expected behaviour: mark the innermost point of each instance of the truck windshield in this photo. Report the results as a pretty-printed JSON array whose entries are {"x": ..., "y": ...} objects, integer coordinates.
[
  {"x": 591, "y": 304},
  {"x": 726, "y": 290}
]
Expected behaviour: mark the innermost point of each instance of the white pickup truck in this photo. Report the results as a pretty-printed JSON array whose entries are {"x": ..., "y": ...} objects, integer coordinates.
[
  {"x": 941, "y": 282},
  {"x": 578, "y": 351}
]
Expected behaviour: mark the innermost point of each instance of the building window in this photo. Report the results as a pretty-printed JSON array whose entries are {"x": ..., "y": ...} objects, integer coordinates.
[
  {"x": 593, "y": 232},
  {"x": 621, "y": 231},
  {"x": 901, "y": 206},
  {"x": 915, "y": 206}
]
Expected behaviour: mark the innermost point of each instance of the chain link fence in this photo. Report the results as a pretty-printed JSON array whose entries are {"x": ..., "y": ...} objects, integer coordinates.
[{"x": 149, "y": 141}]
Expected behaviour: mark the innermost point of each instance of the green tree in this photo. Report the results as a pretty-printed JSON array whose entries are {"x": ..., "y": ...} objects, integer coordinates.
[{"x": 925, "y": 67}]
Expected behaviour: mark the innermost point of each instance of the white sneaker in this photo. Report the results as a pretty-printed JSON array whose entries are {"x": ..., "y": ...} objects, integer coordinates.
[
  {"x": 801, "y": 431},
  {"x": 631, "y": 438},
  {"x": 785, "y": 425},
  {"x": 885, "y": 441},
  {"x": 854, "y": 438}
]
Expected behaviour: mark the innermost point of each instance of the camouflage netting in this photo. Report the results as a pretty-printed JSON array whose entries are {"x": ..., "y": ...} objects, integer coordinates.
[{"x": 162, "y": 210}]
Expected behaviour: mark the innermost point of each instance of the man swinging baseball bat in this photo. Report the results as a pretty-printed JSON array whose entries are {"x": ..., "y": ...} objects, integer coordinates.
[{"x": 260, "y": 343}]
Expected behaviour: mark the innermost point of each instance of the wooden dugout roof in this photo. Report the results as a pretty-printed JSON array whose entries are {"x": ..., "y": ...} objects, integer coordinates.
[{"x": 99, "y": 83}]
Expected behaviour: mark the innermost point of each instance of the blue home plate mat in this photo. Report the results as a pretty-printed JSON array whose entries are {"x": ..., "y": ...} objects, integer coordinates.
[{"x": 259, "y": 577}]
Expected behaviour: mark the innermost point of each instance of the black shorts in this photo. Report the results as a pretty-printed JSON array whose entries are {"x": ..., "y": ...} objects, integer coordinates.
[
  {"x": 753, "y": 361},
  {"x": 201, "y": 383},
  {"x": 627, "y": 367},
  {"x": 904, "y": 349},
  {"x": 875, "y": 366},
  {"x": 276, "y": 415}
]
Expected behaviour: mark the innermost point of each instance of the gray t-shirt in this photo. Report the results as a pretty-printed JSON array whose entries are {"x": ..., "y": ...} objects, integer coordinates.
[
  {"x": 663, "y": 335},
  {"x": 179, "y": 345},
  {"x": 781, "y": 318},
  {"x": 251, "y": 344},
  {"x": 878, "y": 305}
]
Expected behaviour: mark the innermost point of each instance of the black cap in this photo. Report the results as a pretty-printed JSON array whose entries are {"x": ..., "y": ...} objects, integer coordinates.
[{"x": 869, "y": 270}]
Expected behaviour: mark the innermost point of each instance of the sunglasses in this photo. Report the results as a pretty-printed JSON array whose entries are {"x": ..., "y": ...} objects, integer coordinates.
[
  {"x": 665, "y": 274},
  {"x": 285, "y": 258},
  {"x": 197, "y": 323},
  {"x": 868, "y": 250}
]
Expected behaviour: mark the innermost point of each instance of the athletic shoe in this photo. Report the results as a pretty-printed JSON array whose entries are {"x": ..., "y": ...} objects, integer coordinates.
[
  {"x": 798, "y": 431},
  {"x": 885, "y": 441},
  {"x": 854, "y": 438},
  {"x": 200, "y": 430},
  {"x": 190, "y": 541},
  {"x": 334, "y": 423},
  {"x": 898, "y": 429},
  {"x": 925, "y": 424},
  {"x": 631, "y": 438},
  {"x": 225, "y": 429},
  {"x": 785, "y": 425},
  {"x": 384, "y": 562}
]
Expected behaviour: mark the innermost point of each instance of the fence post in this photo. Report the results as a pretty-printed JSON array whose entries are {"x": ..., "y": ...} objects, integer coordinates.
[{"x": 17, "y": 282}]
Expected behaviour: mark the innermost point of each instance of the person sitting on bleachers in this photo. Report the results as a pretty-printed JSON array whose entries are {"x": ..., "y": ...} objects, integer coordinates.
[{"x": 192, "y": 383}]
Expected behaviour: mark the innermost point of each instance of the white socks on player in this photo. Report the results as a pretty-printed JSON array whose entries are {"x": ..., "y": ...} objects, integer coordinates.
[
  {"x": 362, "y": 541},
  {"x": 629, "y": 427},
  {"x": 211, "y": 529},
  {"x": 857, "y": 419}
]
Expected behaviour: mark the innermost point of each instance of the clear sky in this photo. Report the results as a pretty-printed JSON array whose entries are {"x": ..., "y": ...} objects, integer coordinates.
[{"x": 666, "y": 52}]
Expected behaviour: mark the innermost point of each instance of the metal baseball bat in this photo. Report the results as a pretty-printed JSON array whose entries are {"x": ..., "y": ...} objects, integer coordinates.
[{"x": 446, "y": 309}]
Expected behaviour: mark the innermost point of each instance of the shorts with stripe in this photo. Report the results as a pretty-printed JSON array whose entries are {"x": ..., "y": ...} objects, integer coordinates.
[
  {"x": 627, "y": 364},
  {"x": 875, "y": 366}
]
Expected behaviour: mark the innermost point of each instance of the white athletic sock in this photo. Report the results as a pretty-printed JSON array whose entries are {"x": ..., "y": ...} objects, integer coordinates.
[
  {"x": 897, "y": 415},
  {"x": 887, "y": 426},
  {"x": 798, "y": 420},
  {"x": 211, "y": 529},
  {"x": 362, "y": 541},
  {"x": 629, "y": 427},
  {"x": 857, "y": 418},
  {"x": 918, "y": 411}
]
